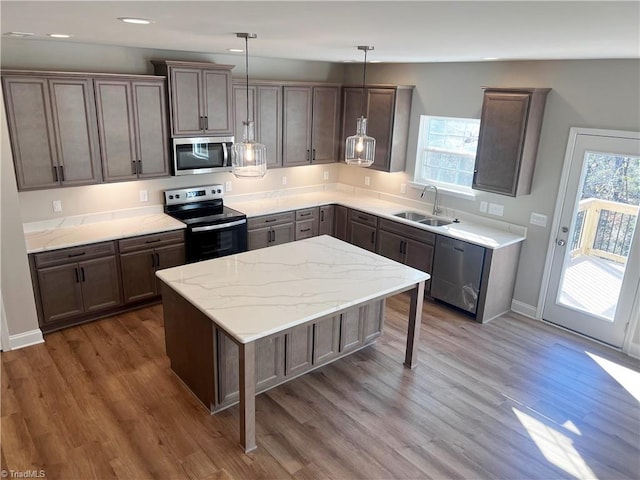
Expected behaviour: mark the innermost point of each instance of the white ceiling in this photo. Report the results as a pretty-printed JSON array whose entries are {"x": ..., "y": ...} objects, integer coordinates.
[{"x": 413, "y": 31}]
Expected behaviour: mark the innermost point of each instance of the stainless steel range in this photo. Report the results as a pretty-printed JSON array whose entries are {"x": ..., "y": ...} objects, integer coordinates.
[{"x": 213, "y": 230}]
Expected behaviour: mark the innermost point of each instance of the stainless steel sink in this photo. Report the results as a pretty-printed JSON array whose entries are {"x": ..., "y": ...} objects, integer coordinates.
[
  {"x": 413, "y": 216},
  {"x": 422, "y": 218},
  {"x": 434, "y": 222}
]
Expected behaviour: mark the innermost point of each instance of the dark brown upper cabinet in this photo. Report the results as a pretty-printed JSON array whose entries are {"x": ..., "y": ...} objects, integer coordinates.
[
  {"x": 200, "y": 97},
  {"x": 510, "y": 127},
  {"x": 132, "y": 122},
  {"x": 53, "y": 129},
  {"x": 310, "y": 124},
  {"x": 265, "y": 109},
  {"x": 388, "y": 111}
]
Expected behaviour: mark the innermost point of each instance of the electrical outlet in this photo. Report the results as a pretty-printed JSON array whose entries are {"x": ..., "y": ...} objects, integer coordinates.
[
  {"x": 367, "y": 180},
  {"x": 496, "y": 209},
  {"x": 143, "y": 195},
  {"x": 403, "y": 188},
  {"x": 483, "y": 207},
  {"x": 284, "y": 179},
  {"x": 228, "y": 186},
  {"x": 57, "y": 205},
  {"x": 326, "y": 175},
  {"x": 538, "y": 219}
]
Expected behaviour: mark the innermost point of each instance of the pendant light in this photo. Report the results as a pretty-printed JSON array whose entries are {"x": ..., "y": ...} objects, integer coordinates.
[
  {"x": 360, "y": 149},
  {"x": 248, "y": 158}
]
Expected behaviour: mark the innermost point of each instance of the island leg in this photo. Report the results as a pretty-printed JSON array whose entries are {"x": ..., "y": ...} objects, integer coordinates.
[
  {"x": 248, "y": 396},
  {"x": 413, "y": 329}
]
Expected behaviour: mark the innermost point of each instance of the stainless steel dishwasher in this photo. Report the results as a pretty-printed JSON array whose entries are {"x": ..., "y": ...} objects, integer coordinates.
[{"x": 456, "y": 273}]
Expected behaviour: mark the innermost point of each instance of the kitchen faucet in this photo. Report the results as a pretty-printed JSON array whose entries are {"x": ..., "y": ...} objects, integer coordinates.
[{"x": 436, "y": 209}]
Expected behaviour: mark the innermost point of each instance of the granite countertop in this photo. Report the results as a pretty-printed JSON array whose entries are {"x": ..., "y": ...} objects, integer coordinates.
[
  {"x": 53, "y": 236},
  {"x": 254, "y": 294},
  {"x": 467, "y": 230}
]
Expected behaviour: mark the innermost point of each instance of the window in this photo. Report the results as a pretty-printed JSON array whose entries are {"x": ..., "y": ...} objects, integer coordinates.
[{"x": 447, "y": 151}]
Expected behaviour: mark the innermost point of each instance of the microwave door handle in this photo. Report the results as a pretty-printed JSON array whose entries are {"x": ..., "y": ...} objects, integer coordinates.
[
  {"x": 225, "y": 154},
  {"x": 218, "y": 227}
]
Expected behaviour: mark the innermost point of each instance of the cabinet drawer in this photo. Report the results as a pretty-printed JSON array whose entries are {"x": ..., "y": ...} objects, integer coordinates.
[
  {"x": 306, "y": 229},
  {"x": 408, "y": 231},
  {"x": 270, "y": 220},
  {"x": 150, "y": 241},
  {"x": 365, "y": 218},
  {"x": 74, "y": 254},
  {"x": 307, "y": 214}
]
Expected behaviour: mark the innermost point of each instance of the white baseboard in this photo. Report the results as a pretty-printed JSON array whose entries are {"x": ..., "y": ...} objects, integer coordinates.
[
  {"x": 634, "y": 350},
  {"x": 524, "y": 309},
  {"x": 25, "y": 339}
]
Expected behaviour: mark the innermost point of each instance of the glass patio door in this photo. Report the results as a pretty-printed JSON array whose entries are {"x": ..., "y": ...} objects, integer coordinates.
[{"x": 595, "y": 273}]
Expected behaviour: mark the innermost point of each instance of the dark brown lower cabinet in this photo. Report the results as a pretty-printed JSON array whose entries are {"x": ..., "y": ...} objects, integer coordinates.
[
  {"x": 363, "y": 230},
  {"x": 287, "y": 355},
  {"x": 140, "y": 257},
  {"x": 68, "y": 289}
]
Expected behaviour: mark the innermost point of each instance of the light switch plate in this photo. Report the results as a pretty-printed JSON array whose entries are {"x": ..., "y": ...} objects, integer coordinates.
[
  {"x": 483, "y": 207},
  {"x": 227, "y": 186},
  {"x": 367, "y": 180},
  {"x": 326, "y": 175},
  {"x": 57, "y": 205},
  {"x": 143, "y": 195},
  {"x": 538, "y": 219},
  {"x": 496, "y": 209},
  {"x": 284, "y": 179},
  {"x": 403, "y": 188}
]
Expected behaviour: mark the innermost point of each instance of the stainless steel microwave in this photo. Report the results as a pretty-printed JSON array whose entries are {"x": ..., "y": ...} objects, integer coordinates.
[{"x": 201, "y": 155}]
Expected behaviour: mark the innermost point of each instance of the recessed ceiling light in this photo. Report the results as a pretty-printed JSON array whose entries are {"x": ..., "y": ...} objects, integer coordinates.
[
  {"x": 58, "y": 35},
  {"x": 236, "y": 50},
  {"x": 18, "y": 34},
  {"x": 137, "y": 21}
]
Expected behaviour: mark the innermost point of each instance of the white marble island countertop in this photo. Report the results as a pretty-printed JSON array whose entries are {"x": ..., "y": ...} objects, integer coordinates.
[
  {"x": 254, "y": 294},
  {"x": 53, "y": 237}
]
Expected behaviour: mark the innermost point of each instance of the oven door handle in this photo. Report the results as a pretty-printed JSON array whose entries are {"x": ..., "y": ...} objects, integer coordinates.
[{"x": 218, "y": 227}]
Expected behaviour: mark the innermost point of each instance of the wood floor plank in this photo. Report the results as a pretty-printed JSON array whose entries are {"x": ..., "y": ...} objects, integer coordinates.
[{"x": 513, "y": 398}]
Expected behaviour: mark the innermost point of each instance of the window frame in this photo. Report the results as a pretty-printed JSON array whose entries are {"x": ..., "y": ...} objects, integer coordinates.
[{"x": 420, "y": 182}]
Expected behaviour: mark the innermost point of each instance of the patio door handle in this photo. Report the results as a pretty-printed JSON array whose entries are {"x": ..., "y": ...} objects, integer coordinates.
[{"x": 562, "y": 243}]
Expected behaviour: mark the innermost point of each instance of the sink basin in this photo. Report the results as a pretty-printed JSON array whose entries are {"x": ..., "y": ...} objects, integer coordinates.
[
  {"x": 434, "y": 222},
  {"x": 413, "y": 216},
  {"x": 422, "y": 218}
]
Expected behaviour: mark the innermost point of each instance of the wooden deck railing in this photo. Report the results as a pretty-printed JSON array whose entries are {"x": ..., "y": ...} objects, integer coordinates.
[{"x": 604, "y": 229}]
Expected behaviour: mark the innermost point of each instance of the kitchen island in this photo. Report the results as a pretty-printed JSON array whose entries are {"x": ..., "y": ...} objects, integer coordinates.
[{"x": 286, "y": 309}]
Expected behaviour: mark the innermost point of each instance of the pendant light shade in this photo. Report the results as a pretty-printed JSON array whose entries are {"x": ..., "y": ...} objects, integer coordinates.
[
  {"x": 360, "y": 149},
  {"x": 249, "y": 157}
]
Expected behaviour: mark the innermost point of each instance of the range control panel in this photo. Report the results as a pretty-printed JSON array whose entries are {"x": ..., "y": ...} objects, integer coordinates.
[{"x": 193, "y": 194}]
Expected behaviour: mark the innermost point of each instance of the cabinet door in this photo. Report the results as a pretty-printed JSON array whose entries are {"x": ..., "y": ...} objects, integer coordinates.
[
  {"x": 282, "y": 234},
  {"x": 269, "y": 361},
  {"x": 373, "y": 318},
  {"x": 341, "y": 223},
  {"x": 419, "y": 255},
  {"x": 100, "y": 284},
  {"x": 326, "y": 220},
  {"x": 350, "y": 330},
  {"x": 299, "y": 350},
  {"x": 31, "y": 131},
  {"x": 167, "y": 257},
  {"x": 75, "y": 126},
  {"x": 380, "y": 111},
  {"x": 363, "y": 236},
  {"x": 259, "y": 238},
  {"x": 186, "y": 110},
  {"x": 297, "y": 126},
  {"x": 217, "y": 102},
  {"x": 326, "y": 117},
  {"x": 326, "y": 339},
  {"x": 500, "y": 140},
  {"x": 391, "y": 246},
  {"x": 115, "y": 124},
  {"x": 138, "y": 275},
  {"x": 150, "y": 114},
  {"x": 269, "y": 122},
  {"x": 60, "y": 292},
  {"x": 352, "y": 99}
]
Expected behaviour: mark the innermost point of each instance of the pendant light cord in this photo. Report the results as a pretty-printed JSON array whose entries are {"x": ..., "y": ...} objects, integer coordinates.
[
  {"x": 364, "y": 80},
  {"x": 246, "y": 58}
]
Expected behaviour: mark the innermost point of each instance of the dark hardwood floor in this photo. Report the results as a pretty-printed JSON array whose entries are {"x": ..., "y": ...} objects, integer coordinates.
[{"x": 511, "y": 399}]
